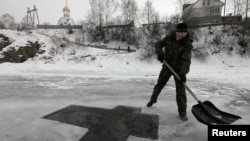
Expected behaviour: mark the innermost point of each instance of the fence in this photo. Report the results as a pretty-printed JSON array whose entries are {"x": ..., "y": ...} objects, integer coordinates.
[{"x": 59, "y": 27}]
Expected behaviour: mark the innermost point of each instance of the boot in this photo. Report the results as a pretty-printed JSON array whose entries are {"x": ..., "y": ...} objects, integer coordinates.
[
  {"x": 150, "y": 103},
  {"x": 183, "y": 117}
]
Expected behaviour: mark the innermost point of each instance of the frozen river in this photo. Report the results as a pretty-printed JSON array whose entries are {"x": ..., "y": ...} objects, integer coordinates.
[{"x": 24, "y": 99}]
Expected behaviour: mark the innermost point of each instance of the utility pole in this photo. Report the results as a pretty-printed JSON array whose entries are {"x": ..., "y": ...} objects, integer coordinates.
[
  {"x": 36, "y": 14},
  {"x": 225, "y": 8},
  {"x": 31, "y": 14},
  {"x": 247, "y": 9}
]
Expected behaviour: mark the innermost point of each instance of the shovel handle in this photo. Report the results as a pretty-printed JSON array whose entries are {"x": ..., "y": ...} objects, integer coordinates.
[{"x": 178, "y": 77}]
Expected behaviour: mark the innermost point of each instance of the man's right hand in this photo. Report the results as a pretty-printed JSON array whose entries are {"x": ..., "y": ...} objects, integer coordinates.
[
  {"x": 183, "y": 78},
  {"x": 161, "y": 57}
]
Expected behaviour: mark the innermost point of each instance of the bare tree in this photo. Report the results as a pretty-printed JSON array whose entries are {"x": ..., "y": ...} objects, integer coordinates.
[
  {"x": 110, "y": 7},
  {"x": 175, "y": 18},
  {"x": 117, "y": 20},
  {"x": 237, "y": 7},
  {"x": 90, "y": 19},
  {"x": 148, "y": 11},
  {"x": 95, "y": 15},
  {"x": 155, "y": 17},
  {"x": 165, "y": 19},
  {"x": 129, "y": 9}
]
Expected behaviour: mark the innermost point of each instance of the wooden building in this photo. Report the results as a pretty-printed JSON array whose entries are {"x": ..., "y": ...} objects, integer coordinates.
[{"x": 203, "y": 11}]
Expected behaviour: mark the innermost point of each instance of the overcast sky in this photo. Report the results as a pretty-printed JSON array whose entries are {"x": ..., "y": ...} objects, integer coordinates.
[{"x": 51, "y": 10}]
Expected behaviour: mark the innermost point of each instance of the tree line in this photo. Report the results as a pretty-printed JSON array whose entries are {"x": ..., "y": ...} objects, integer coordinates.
[
  {"x": 115, "y": 12},
  {"x": 110, "y": 12},
  {"x": 237, "y": 7}
]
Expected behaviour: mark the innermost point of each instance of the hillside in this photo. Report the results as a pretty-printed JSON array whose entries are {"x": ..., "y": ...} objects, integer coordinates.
[{"x": 215, "y": 56}]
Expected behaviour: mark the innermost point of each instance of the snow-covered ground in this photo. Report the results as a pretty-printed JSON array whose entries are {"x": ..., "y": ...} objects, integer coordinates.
[{"x": 33, "y": 89}]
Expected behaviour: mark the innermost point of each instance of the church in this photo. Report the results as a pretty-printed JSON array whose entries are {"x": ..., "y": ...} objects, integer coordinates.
[{"x": 66, "y": 20}]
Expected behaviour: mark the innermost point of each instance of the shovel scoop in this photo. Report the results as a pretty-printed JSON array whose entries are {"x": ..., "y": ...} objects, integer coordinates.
[{"x": 207, "y": 113}]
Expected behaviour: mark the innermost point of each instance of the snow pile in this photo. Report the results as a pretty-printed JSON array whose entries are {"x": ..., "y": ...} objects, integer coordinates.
[
  {"x": 20, "y": 39},
  {"x": 72, "y": 58},
  {"x": 216, "y": 40}
]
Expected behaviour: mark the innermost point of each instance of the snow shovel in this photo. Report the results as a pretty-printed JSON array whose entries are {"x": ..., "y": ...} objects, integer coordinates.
[{"x": 206, "y": 112}]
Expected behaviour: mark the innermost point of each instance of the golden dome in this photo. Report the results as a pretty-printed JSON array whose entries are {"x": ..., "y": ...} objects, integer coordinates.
[{"x": 66, "y": 8}]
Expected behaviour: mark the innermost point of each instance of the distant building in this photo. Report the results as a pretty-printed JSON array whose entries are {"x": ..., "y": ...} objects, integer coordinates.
[
  {"x": 203, "y": 11},
  {"x": 66, "y": 20}
]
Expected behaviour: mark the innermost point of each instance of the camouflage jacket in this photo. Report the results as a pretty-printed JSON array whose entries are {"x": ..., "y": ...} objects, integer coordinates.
[{"x": 177, "y": 52}]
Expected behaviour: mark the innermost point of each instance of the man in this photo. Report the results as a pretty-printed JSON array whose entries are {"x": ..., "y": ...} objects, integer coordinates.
[{"x": 177, "y": 54}]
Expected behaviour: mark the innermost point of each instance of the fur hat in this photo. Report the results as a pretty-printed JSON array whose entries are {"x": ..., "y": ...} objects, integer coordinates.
[{"x": 181, "y": 27}]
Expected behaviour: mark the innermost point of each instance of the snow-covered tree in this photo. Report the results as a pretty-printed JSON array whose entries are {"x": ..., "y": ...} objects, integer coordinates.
[
  {"x": 7, "y": 22},
  {"x": 23, "y": 23}
]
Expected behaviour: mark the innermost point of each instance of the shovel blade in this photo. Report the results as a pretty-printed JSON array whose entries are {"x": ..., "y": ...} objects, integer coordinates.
[{"x": 207, "y": 113}]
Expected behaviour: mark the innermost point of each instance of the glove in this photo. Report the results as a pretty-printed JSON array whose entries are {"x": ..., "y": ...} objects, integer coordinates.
[
  {"x": 161, "y": 57},
  {"x": 183, "y": 78}
]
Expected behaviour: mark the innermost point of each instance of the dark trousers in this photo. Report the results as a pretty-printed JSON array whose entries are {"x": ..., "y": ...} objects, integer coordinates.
[{"x": 181, "y": 98}]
